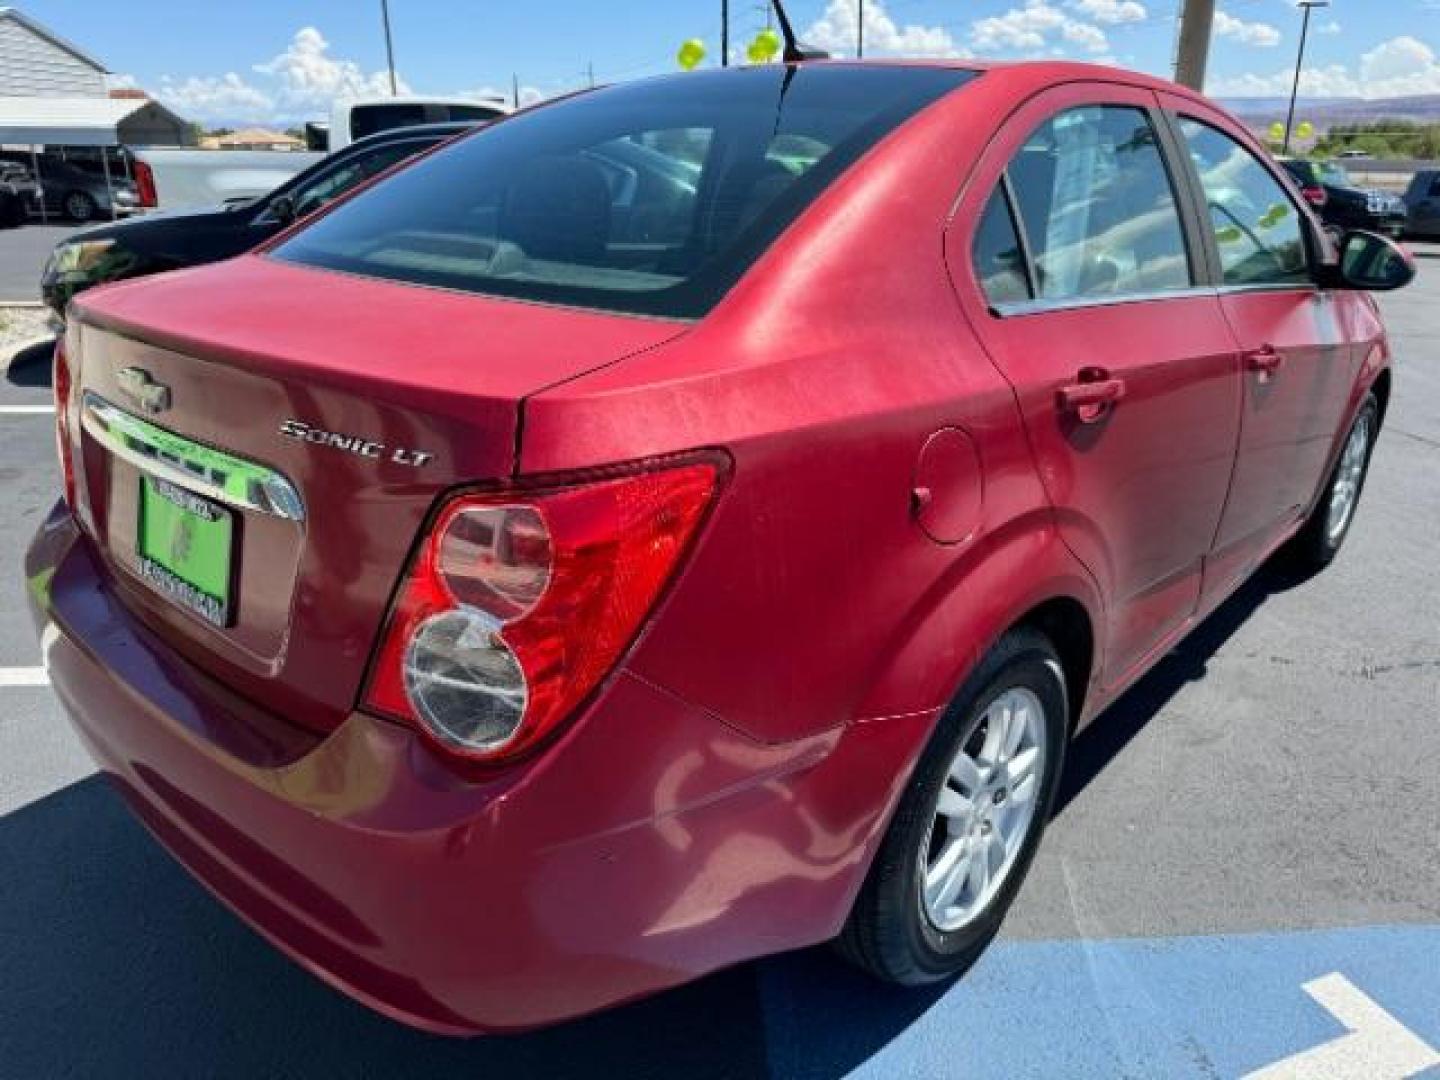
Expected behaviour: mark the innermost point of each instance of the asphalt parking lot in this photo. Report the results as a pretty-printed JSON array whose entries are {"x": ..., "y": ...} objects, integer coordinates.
[
  {"x": 23, "y": 252},
  {"x": 1243, "y": 876}
]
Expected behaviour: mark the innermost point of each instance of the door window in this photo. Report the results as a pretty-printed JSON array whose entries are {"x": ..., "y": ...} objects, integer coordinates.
[
  {"x": 1098, "y": 207},
  {"x": 1258, "y": 229},
  {"x": 999, "y": 259}
]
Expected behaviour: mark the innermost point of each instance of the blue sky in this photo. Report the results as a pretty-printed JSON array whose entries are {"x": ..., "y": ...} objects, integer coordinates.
[{"x": 274, "y": 60}]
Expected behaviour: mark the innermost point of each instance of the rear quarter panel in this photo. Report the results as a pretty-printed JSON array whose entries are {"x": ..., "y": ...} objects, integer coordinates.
[{"x": 814, "y": 598}]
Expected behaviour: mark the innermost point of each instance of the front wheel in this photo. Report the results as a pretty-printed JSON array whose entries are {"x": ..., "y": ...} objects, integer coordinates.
[
  {"x": 1320, "y": 538},
  {"x": 968, "y": 826}
]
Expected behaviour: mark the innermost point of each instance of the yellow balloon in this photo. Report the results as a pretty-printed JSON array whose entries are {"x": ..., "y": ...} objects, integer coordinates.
[
  {"x": 1306, "y": 129},
  {"x": 691, "y": 53},
  {"x": 1277, "y": 130},
  {"x": 764, "y": 48}
]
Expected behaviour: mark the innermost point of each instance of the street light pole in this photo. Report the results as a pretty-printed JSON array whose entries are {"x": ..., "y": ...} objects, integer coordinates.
[
  {"x": 724, "y": 33},
  {"x": 860, "y": 31},
  {"x": 389, "y": 45},
  {"x": 1299, "y": 64}
]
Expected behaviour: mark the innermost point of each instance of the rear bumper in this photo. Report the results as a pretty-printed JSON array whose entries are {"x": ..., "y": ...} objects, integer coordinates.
[{"x": 651, "y": 845}]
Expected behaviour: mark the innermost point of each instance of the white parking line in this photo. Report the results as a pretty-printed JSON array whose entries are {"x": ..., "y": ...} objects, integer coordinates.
[
  {"x": 23, "y": 676},
  {"x": 26, "y": 410}
]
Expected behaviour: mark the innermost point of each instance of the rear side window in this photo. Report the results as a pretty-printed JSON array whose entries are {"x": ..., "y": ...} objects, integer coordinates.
[
  {"x": 361, "y": 167},
  {"x": 372, "y": 119},
  {"x": 1257, "y": 227},
  {"x": 650, "y": 197},
  {"x": 1098, "y": 206},
  {"x": 999, "y": 259}
]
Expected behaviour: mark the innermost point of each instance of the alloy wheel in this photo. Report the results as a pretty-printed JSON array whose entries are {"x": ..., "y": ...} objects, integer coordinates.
[
  {"x": 1349, "y": 474},
  {"x": 985, "y": 810}
]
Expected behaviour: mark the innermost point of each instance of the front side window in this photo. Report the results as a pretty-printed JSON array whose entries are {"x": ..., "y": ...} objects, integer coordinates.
[
  {"x": 1098, "y": 206},
  {"x": 1258, "y": 229},
  {"x": 335, "y": 183},
  {"x": 650, "y": 197}
]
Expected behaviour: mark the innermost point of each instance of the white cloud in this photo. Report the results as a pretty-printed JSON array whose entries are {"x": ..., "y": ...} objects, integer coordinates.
[
  {"x": 1331, "y": 27},
  {"x": 301, "y": 82},
  {"x": 309, "y": 79},
  {"x": 1259, "y": 34},
  {"x": 1030, "y": 27},
  {"x": 206, "y": 97},
  {"x": 1111, "y": 12},
  {"x": 1395, "y": 68},
  {"x": 835, "y": 32}
]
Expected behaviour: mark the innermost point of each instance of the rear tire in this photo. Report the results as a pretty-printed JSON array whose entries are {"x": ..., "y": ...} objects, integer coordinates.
[
  {"x": 1319, "y": 540},
  {"x": 904, "y": 928},
  {"x": 79, "y": 207}
]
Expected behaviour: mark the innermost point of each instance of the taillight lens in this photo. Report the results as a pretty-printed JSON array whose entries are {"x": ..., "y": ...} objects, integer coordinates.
[
  {"x": 517, "y": 604},
  {"x": 1315, "y": 196},
  {"x": 145, "y": 184},
  {"x": 60, "y": 380}
]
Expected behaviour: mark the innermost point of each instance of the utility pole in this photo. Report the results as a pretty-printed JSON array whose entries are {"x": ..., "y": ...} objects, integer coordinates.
[
  {"x": 1194, "y": 48},
  {"x": 590, "y": 72},
  {"x": 515, "y": 88},
  {"x": 389, "y": 45},
  {"x": 1299, "y": 64},
  {"x": 724, "y": 33},
  {"x": 860, "y": 30}
]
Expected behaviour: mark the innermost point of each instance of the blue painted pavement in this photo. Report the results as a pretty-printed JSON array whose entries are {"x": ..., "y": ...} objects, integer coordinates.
[{"x": 1178, "y": 1007}]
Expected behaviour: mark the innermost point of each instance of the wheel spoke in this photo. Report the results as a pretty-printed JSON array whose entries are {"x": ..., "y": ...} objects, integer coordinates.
[
  {"x": 1017, "y": 724},
  {"x": 945, "y": 877},
  {"x": 1021, "y": 768},
  {"x": 954, "y": 807},
  {"x": 966, "y": 774}
]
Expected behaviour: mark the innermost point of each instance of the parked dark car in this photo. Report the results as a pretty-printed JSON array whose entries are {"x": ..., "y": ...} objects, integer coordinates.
[
  {"x": 1422, "y": 201},
  {"x": 18, "y": 193},
  {"x": 160, "y": 242},
  {"x": 1341, "y": 203},
  {"x": 78, "y": 189}
]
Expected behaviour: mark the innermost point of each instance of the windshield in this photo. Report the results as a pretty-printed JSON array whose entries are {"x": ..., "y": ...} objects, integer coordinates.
[
  {"x": 1333, "y": 174},
  {"x": 651, "y": 197}
]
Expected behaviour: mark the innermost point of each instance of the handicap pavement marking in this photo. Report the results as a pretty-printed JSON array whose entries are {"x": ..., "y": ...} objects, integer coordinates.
[
  {"x": 1331, "y": 1004},
  {"x": 1377, "y": 1046}
]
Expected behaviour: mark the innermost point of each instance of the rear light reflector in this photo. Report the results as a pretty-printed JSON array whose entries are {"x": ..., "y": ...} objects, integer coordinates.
[
  {"x": 1315, "y": 196},
  {"x": 60, "y": 380},
  {"x": 517, "y": 604},
  {"x": 145, "y": 184}
]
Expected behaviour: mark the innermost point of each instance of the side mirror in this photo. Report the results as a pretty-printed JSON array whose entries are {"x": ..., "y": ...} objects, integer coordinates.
[
  {"x": 1373, "y": 263},
  {"x": 282, "y": 209}
]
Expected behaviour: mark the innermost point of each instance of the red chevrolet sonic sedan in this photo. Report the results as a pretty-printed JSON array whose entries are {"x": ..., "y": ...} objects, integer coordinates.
[{"x": 689, "y": 520}]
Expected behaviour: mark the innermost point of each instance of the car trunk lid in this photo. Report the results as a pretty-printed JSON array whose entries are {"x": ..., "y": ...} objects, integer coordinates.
[{"x": 258, "y": 445}]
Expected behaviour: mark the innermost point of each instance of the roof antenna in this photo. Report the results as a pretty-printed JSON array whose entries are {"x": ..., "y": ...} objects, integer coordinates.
[{"x": 794, "y": 51}]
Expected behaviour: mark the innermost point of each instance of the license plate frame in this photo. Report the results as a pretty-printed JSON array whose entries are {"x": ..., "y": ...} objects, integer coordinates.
[{"x": 185, "y": 549}]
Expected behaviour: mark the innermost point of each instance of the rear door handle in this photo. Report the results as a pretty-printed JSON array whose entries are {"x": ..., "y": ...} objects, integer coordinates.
[
  {"x": 1266, "y": 360},
  {"x": 1092, "y": 397}
]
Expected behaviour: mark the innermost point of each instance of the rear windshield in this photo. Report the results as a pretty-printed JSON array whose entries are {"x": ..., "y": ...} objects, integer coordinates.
[{"x": 652, "y": 197}]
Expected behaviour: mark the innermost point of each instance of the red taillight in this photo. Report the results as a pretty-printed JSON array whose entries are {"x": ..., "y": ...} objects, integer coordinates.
[
  {"x": 60, "y": 379},
  {"x": 517, "y": 604},
  {"x": 145, "y": 184},
  {"x": 1315, "y": 196}
]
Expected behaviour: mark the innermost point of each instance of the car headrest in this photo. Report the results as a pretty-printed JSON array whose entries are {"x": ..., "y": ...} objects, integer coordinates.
[{"x": 558, "y": 208}]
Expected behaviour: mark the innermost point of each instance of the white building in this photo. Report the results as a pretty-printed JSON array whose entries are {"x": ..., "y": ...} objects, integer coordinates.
[{"x": 34, "y": 62}]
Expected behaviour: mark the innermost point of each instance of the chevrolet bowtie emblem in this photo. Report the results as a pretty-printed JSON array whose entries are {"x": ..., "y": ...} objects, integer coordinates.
[{"x": 139, "y": 387}]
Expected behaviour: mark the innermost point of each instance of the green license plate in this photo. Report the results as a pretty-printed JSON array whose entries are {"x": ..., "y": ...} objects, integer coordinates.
[{"x": 186, "y": 548}]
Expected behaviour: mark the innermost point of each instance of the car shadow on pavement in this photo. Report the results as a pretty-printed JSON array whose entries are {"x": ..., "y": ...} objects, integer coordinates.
[
  {"x": 31, "y": 365},
  {"x": 1108, "y": 735},
  {"x": 113, "y": 962}
]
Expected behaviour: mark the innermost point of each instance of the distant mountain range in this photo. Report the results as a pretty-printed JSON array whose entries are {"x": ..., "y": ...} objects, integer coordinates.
[{"x": 1326, "y": 112}]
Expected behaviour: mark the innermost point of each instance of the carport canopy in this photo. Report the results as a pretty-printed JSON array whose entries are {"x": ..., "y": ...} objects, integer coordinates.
[{"x": 72, "y": 121}]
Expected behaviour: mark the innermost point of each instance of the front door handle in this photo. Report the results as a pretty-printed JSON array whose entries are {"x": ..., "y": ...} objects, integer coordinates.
[
  {"x": 1092, "y": 397},
  {"x": 1265, "y": 360}
]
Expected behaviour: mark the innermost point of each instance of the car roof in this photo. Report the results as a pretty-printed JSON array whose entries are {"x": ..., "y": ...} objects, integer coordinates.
[{"x": 440, "y": 130}]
